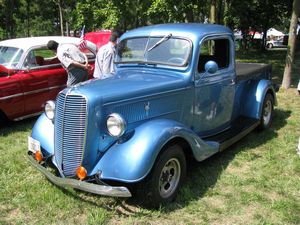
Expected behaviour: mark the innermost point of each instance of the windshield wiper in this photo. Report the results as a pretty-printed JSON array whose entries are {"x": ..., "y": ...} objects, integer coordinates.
[{"x": 165, "y": 38}]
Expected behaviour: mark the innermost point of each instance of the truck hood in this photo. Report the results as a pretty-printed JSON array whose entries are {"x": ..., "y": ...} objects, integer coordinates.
[{"x": 128, "y": 84}]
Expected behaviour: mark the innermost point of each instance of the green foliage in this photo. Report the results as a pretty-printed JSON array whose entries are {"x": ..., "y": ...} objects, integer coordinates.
[
  {"x": 169, "y": 11},
  {"x": 41, "y": 17}
]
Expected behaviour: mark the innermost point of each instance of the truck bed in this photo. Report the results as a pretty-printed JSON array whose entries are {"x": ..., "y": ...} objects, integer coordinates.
[{"x": 245, "y": 71}]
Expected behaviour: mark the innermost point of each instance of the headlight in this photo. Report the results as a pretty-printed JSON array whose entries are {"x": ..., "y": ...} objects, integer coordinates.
[
  {"x": 115, "y": 125},
  {"x": 50, "y": 109}
]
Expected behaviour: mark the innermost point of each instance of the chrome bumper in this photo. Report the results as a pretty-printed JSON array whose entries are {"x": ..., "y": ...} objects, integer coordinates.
[{"x": 81, "y": 185}]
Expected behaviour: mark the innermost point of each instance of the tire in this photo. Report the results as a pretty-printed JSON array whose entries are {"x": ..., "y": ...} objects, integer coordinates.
[
  {"x": 269, "y": 46},
  {"x": 266, "y": 117},
  {"x": 163, "y": 183},
  {"x": 3, "y": 119}
]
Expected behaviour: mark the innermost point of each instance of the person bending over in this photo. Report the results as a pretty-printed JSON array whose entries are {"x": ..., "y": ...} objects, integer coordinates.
[{"x": 73, "y": 60}]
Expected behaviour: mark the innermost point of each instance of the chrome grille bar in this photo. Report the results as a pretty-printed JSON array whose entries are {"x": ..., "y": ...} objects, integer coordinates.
[{"x": 70, "y": 130}]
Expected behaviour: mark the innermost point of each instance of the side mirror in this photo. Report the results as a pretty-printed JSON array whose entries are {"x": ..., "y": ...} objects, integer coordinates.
[{"x": 211, "y": 67}]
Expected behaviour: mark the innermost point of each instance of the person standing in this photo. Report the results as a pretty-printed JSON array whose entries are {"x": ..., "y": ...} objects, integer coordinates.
[
  {"x": 73, "y": 60},
  {"x": 104, "y": 64}
]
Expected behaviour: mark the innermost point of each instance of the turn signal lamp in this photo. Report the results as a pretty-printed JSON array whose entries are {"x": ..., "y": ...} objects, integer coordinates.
[
  {"x": 38, "y": 156},
  {"x": 81, "y": 172}
]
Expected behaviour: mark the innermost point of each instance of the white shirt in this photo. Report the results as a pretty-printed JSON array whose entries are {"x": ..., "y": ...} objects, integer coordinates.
[
  {"x": 67, "y": 53},
  {"x": 104, "y": 64}
]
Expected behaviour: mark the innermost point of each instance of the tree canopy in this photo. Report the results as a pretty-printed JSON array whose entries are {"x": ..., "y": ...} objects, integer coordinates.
[{"x": 40, "y": 17}]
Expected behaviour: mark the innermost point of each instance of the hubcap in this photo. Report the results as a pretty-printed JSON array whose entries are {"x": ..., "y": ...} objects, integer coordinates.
[{"x": 169, "y": 178}]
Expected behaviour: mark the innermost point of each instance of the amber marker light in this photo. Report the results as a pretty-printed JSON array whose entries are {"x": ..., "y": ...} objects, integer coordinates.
[
  {"x": 38, "y": 156},
  {"x": 81, "y": 172}
]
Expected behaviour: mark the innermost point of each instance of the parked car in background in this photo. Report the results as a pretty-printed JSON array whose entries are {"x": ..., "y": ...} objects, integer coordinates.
[
  {"x": 279, "y": 43},
  {"x": 99, "y": 38},
  {"x": 30, "y": 74}
]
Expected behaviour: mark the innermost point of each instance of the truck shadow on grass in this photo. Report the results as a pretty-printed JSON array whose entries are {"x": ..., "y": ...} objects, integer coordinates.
[{"x": 8, "y": 127}]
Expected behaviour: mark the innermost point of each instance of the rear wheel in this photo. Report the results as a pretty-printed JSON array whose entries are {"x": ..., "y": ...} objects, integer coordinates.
[
  {"x": 267, "y": 112},
  {"x": 269, "y": 46},
  {"x": 167, "y": 176}
]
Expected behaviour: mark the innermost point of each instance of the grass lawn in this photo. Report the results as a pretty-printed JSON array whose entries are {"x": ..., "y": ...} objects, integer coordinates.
[{"x": 256, "y": 181}]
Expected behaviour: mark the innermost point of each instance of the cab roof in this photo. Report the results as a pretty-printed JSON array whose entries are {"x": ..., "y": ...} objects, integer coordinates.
[{"x": 193, "y": 31}]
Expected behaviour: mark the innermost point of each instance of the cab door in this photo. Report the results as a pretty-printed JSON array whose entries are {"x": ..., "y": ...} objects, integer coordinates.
[{"x": 214, "y": 92}]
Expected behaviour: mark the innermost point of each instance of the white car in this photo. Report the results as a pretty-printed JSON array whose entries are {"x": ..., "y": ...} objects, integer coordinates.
[{"x": 275, "y": 44}]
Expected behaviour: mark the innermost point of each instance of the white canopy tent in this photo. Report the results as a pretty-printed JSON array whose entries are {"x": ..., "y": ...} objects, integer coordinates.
[{"x": 272, "y": 32}]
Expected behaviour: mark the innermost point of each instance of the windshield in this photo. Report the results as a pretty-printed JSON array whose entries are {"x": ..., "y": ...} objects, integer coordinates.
[
  {"x": 10, "y": 56},
  {"x": 165, "y": 50}
]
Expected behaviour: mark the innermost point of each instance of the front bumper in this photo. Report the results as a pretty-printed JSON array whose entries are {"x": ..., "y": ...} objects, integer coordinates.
[{"x": 81, "y": 185}]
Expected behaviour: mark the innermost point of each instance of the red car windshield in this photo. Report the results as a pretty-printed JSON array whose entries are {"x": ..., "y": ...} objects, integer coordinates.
[{"x": 10, "y": 56}]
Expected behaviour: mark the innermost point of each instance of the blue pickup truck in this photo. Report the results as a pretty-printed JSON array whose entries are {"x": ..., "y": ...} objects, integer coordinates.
[{"x": 178, "y": 94}]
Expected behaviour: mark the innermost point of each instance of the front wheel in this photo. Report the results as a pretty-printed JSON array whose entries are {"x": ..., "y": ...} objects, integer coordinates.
[
  {"x": 267, "y": 112},
  {"x": 3, "y": 118},
  {"x": 269, "y": 46},
  {"x": 168, "y": 174}
]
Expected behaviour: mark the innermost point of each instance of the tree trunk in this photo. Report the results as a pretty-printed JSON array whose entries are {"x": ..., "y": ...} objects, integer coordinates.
[
  {"x": 28, "y": 18},
  {"x": 188, "y": 16},
  {"x": 264, "y": 39},
  {"x": 226, "y": 8},
  {"x": 220, "y": 12},
  {"x": 287, "y": 77},
  {"x": 61, "y": 18},
  {"x": 212, "y": 16},
  {"x": 9, "y": 23}
]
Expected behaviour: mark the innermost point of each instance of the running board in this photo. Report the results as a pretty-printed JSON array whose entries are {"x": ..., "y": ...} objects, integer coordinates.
[{"x": 240, "y": 128}]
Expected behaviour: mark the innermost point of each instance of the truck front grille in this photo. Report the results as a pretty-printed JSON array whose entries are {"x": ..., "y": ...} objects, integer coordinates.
[{"x": 70, "y": 131}]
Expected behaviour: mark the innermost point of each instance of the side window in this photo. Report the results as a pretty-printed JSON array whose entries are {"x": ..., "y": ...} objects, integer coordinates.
[
  {"x": 217, "y": 50},
  {"x": 46, "y": 57},
  {"x": 41, "y": 57},
  {"x": 30, "y": 60}
]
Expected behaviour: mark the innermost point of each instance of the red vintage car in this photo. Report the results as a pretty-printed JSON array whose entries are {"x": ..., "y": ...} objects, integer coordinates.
[
  {"x": 99, "y": 38},
  {"x": 30, "y": 74}
]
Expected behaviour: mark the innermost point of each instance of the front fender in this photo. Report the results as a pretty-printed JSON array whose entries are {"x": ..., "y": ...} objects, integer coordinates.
[
  {"x": 255, "y": 98},
  {"x": 133, "y": 159},
  {"x": 43, "y": 131}
]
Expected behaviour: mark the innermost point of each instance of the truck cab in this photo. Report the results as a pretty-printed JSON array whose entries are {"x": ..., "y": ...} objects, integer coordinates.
[{"x": 178, "y": 93}]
